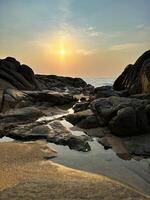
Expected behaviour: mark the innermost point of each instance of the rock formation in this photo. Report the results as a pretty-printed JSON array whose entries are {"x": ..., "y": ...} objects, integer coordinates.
[
  {"x": 135, "y": 78},
  {"x": 35, "y": 107},
  {"x": 21, "y": 77}
]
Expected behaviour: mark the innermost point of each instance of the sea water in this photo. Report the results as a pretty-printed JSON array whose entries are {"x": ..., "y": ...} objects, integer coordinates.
[{"x": 99, "y": 81}]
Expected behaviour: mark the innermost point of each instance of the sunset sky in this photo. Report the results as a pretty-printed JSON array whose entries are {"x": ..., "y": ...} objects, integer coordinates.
[{"x": 75, "y": 37}]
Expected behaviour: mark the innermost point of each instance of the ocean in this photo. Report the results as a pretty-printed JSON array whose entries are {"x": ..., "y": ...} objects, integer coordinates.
[{"x": 99, "y": 81}]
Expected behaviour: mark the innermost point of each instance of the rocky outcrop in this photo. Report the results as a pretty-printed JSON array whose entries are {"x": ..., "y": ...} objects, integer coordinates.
[
  {"x": 83, "y": 119},
  {"x": 15, "y": 75},
  {"x": 123, "y": 116},
  {"x": 12, "y": 98},
  {"x": 53, "y": 81},
  {"x": 22, "y": 117},
  {"x": 19, "y": 76},
  {"x": 53, "y": 132},
  {"x": 135, "y": 78}
]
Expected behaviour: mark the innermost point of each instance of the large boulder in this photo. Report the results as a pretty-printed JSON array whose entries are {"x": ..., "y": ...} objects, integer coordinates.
[
  {"x": 53, "y": 81},
  {"x": 52, "y": 97},
  {"x": 15, "y": 75},
  {"x": 135, "y": 78},
  {"x": 20, "y": 76},
  {"x": 123, "y": 116},
  {"x": 83, "y": 119},
  {"x": 53, "y": 132}
]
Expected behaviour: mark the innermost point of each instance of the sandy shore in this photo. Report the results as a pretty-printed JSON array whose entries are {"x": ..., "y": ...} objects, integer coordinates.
[{"x": 26, "y": 173}]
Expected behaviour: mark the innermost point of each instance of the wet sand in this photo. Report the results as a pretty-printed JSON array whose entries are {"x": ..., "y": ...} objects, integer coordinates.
[{"x": 27, "y": 173}]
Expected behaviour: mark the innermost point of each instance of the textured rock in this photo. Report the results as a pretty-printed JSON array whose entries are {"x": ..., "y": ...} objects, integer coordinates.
[
  {"x": 12, "y": 98},
  {"x": 16, "y": 75},
  {"x": 53, "y": 132},
  {"x": 104, "y": 91},
  {"x": 20, "y": 76},
  {"x": 22, "y": 114},
  {"x": 124, "y": 116},
  {"x": 84, "y": 119},
  {"x": 53, "y": 81},
  {"x": 54, "y": 98},
  {"x": 135, "y": 78},
  {"x": 80, "y": 106}
]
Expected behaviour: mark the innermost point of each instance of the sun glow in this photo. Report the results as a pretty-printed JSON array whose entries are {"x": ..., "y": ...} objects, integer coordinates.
[
  {"x": 62, "y": 52},
  {"x": 62, "y": 48}
]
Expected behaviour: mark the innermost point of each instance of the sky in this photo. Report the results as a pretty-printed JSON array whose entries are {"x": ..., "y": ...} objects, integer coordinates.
[{"x": 87, "y": 38}]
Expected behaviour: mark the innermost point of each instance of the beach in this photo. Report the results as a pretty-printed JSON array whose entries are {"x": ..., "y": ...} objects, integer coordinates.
[{"x": 27, "y": 173}]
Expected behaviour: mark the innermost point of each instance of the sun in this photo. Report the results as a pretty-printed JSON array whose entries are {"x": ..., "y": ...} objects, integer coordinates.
[{"x": 62, "y": 52}]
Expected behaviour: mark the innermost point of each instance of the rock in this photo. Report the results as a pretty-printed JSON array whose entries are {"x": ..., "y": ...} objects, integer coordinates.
[
  {"x": 117, "y": 145},
  {"x": 78, "y": 116},
  {"x": 97, "y": 132},
  {"x": 16, "y": 75},
  {"x": 135, "y": 78},
  {"x": 12, "y": 98},
  {"x": 104, "y": 91},
  {"x": 124, "y": 122},
  {"x": 124, "y": 116},
  {"x": 80, "y": 106},
  {"x": 60, "y": 135},
  {"x": 53, "y": 132},
  {"x": 84, "y": 119},
  {"x": 78, "y": 143},
  {"x": 27, "y": 114},
  {"x": 104, "y": 142},
  {"x": 61, "y": 84},
  {"x": 138, "y": 145},
  {"x": 53, "y": 98},
  {"x": 60, "y": 81},
  {"x": 89, "y": 89},
  {"x": 127, "y": 147},
  {"x": 1, "y": 99},
  {"x": 88, "y": 123},
  {"x": 20, "y": 76}
]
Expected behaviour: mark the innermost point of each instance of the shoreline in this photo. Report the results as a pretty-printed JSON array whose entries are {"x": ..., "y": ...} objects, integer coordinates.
[{"x": 32, "y": 175}]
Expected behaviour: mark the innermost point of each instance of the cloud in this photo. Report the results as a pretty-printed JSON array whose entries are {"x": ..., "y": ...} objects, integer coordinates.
[
  {"x": 86, "y": 52},
  {"x": 139, "y": 26},
  {"x": 126, "y": 46},
  {"x": 90, "y": 28},
  {"x": 91, "y": 31},
  {"x": 94, "y": 34}
]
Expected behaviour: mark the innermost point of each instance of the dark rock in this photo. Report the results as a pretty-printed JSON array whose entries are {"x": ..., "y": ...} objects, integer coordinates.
[
  {"x": 22, "y": 114},
  {"x": 97, "y": 132},
  {"x": 80, "y": 106},
  {"x": 138, "y": 145},
  {"x": 124, "y": 122},
  {"x": 78, "y": 143},
  {"x": 75, "y": 118},
  {"x": 127, "y": 147},
  {"x": 104, "y": 142},
  {"x": 89, "y": 122},
  {"x": 135, "y": 78},
  {"x": 124, "y": 116},
  {"x": 12, "y": 98},
  {"x": 16, "y": 76},
  {"x": 84, "y": 119},
  {"x": 54, "y": 98},
  {"x": 53, "y": 132},
  {"x": 104, "y": 91},
  {"x": 1, "y": 99},
  {"x": 53, "y": 82}
]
